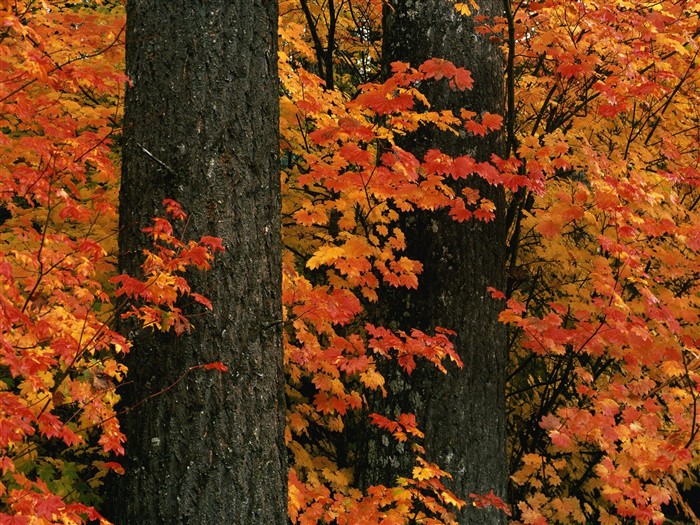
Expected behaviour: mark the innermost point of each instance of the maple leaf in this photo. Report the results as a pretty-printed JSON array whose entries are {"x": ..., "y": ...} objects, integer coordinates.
[
  {"x": 201, "y": 300},
  {"x": 217, "y": 365},
  {"x": 496, "y": 294},
  {"x": 372, "y": 380},
  {"x": 438, "y": 68},
  {"x": 462, "y": 79},
  {"x": 476, "y": 128},
  {"x": 491, "y": 121},
  {"x": 465, "y": 9},
  {"x": 490, "y": 499},
  {"x": 459, "y": 212},
  {"x": 214, "y": 244},
  {"x": 384, "y": 423},
  {"x": 174, "y": 209},
  {"x": 325, "y": 255},
  {"x": 113, "y": 466}
]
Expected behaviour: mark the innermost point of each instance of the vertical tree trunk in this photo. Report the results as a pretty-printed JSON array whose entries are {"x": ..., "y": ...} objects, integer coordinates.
[
  {"x": 201, "y": 126},
  {"x": 463, "y": 413}
]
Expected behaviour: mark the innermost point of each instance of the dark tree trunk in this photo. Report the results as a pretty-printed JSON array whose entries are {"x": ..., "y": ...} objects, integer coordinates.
[
  {"x": 201, "y": 126},
  {"x": 463, "y": 413}
]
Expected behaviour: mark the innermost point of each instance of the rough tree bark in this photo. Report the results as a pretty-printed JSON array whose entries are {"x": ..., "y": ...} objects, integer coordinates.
[
  {"x": 201, "y": 126},
  {"x": 463, "y": 413}
]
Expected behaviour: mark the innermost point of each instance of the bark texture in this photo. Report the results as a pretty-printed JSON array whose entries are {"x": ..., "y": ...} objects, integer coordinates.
[
  {"x": 462, "y": 413},
  {"x": 201, "y": 126}
]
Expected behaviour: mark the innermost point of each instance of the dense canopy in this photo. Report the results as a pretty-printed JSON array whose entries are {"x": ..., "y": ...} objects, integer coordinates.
[{"x": 598, "y": 158}]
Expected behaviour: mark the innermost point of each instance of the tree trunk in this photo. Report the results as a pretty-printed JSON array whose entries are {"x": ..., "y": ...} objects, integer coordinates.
[
  {"x": 462, "y": 413},
  {"x": 201, "y": 127}
]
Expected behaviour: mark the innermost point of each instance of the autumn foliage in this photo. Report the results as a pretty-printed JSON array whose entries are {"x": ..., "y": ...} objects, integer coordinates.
[
  {"x": 602, "y": 298},
  {"x": 60, "y": 104},
  {"x": 605, "y": 311},
  {"x": 602, "y": 136}
]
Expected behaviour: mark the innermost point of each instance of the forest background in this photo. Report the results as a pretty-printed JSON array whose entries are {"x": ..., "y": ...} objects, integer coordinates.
[{"x": 599, "y": 163}]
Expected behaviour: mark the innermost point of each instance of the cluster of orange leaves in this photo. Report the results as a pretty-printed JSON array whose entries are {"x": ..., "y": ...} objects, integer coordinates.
[
  {"x": 61, "y": 82},
  {"x": 603, "y": 296},
  {"x": 350, "y": 172},
  {"x": 605, "y": 357},
  {"x": 346, "y": 183}
]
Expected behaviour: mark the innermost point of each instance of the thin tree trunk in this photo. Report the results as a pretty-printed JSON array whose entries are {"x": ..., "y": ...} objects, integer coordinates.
[
  {"x": 201, "y": 127},
  {"x": 463, "y": 413}
]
